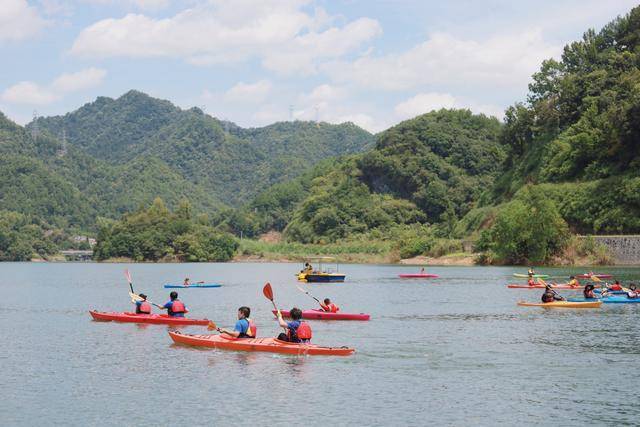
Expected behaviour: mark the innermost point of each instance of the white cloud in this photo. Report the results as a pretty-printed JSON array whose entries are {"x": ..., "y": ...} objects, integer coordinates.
[
  {"x": 83, "y": 79},
  {"x": 443, "y": 59},
  {"x": 425, "y": 102},
  {"x": 18, "y": 20},
  {"x": 249, "y": 92},
  {"x": 138, "y": 4},
  {"x": 30, "y": 93},
  {"x": 280, "y": 33}
]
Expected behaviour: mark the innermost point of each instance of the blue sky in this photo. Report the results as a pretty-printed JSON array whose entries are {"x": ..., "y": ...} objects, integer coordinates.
[{"x": 373, "y": 62}]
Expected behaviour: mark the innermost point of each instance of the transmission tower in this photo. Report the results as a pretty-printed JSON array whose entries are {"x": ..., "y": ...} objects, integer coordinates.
[{"x": 34, "y": 127}]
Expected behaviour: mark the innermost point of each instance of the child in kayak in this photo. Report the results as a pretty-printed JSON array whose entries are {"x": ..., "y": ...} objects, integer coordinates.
[
  {"x": 573, "y": 282},
  {"x": 143, "y": 306},
  {"x": 550, "y": 295},
  {"x": 297, "y": 331},
  {"x": 175, "y": 307},
  {"x": 633, "y": 292},
  {"x": 245, "y": 328},
  {"x": 328, "y": 306},
  {"x": 186, "y": 282},
  {"x": 588, "y": 292},
  {"x": 616, "y": 286},
  {"x": 531, "y": 281}
]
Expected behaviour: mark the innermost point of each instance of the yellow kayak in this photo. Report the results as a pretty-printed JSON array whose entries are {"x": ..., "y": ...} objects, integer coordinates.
[{"x": 562, "y": 304}]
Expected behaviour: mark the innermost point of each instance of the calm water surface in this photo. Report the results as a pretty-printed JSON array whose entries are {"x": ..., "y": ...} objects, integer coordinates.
[{"x": 449, "y": 351}]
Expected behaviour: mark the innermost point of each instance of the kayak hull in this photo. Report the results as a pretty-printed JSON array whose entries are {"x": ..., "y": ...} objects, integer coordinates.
[
  {"x": 598, "y": 291},
  {"x": 599, "y": 276},
  {"x": 156, "y": 319},
  {"x": 615, "y": 299},
  {"x": 539, "y": 286},
  {"x": 195, "y": 285},
  {"x": 268, "y": 345},
  {"x": 535, "y": 276},
  {"x": 562, "y": 304},
  {"x": 322, "y": 277},
  {"x": 418, "y": 276},
  {"x": 323, "y": 315}
]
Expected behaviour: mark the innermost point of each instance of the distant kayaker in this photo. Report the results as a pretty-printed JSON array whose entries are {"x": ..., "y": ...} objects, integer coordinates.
[
  {"x": 573, "y": 281},
  {"x": 186, "y": 282},
  {"x": 422, "y": 270},
  {"x": 245, "y": 328},
  {"x": 616, "y": 286},
  {"x": 588, "y": 292},
  {"x": 531, "y": 281},
  {"x": 633, "y": 292},
  {"x": 531, "y": 272},
  {"x": 550, "y": 295},
  {"x": 296, "y": 331},
  {"x": 329, "y": 307},
  {"x": 143, "y": 306},
  {"x": 175, "y": 307}
]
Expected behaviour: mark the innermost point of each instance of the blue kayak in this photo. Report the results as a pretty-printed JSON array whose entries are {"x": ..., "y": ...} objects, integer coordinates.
[
  {"x": 615, "y": 299},
  {"x": 194, "y": 285},
  {"x": 598, "y": 291}
]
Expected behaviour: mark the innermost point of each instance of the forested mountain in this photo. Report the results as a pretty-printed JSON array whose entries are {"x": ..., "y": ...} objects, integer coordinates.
[
  {"x": 429, "y": 169},
  {"x": 577, "y": 137},
  {"x": 230, "y": 163}
]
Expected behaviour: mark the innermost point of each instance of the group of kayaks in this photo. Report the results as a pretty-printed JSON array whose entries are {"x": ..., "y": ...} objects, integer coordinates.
[
  {"x": 608, "y": 297},
  {"x": 226, "y": 342}
]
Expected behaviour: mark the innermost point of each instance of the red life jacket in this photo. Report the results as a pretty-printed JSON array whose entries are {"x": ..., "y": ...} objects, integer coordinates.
[
  {"x": 333, "y": 308},
  {"x": 303, "y": 333},
  {"x": 531, "y": 282},
  {"x": 616, "y": 287},
  {"x": 145, "y": 307},
  {"x": 178, "y": 306},
  {"x": 252, "y": 330}
]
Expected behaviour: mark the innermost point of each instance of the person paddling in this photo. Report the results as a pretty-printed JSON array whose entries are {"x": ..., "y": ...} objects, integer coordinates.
[
  {"x": 573, "y": 282},
  {"x": 550, "y": 295},
  {"x": 175, "y": 307},
  {"x": 297, "y": 331},
  {"x": 616, "y": 286},
  {"x": 588, "y": 292},
  {"x": 244, "y": 328},
  {"x": 143, "y": 306},
  {"x": 531, "y": 281},
  {"x": 633, "y": 292},
  {"x": 186, "y": 282},
  {"x": 328, "y": 306}
]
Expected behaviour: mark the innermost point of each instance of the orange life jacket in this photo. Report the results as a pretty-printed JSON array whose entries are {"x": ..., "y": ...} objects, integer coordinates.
[
  {"x": 302, "y": 333},
  {"x": 178, "y": 307},
  {"x": 252, "y": 330},
  {"x": 144, "y": 307}
]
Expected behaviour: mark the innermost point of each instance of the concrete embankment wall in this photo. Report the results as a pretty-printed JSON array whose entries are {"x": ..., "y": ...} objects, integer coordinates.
[{"x": 624, "y": 249}]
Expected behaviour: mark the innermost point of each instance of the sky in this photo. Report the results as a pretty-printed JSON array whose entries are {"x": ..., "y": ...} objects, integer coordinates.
[{"x": 255, "y": 62}]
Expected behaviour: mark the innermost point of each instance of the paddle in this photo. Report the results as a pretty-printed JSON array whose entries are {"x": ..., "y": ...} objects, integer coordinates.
[
  {"x": 268, "y": 293},
  {"x": 127, "y": 275},
  {"x": 136, "y": 297},
  {"x": 302, "y": 290},
  {"x": 552, "y": 290},
  {"x": 212, "y": 326}
]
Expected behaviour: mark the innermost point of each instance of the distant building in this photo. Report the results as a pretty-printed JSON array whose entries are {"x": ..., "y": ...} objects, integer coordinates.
[{"x": 79, "y": 239}]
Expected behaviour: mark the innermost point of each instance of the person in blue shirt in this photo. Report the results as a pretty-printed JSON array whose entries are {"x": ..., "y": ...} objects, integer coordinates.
[
  {"x": 143, "y": 306},
  {"x": 297, "y": 331},
  {"x": 245, "y": 328},
  {"x": 175, "y": 307}
]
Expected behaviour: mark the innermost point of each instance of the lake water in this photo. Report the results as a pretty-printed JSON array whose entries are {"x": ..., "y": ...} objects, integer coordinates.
[{"x": 449, "y": 351}]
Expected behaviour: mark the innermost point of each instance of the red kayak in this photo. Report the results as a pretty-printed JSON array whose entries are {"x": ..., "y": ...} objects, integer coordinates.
[
  {"x": 599, "y": 276},
  {"x": 324, "y": 315},
  {"x": 540, "y": 286},
  {"x": 269, "y": 345},
  {"x": 158, "y": 319},
  {"x": 417, "y": 276}
]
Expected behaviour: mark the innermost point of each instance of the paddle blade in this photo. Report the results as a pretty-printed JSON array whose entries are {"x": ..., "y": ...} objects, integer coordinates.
[
  {"x": 211, "y": 326},
  {"x": 268, "y": 292},
  {"x": 596, "y": 279},
  {"x": 542, "y": 281},
  {"x": 127, "y": 275}
]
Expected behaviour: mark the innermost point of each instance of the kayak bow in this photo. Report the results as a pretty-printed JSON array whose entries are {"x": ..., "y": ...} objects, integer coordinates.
[{"x": 316, "y": 314}]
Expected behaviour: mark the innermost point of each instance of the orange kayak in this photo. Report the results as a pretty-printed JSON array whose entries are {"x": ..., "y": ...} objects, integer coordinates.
[
  {"x": 158, "y": 319},
  {"x": 269, "y": 345},
  {"x": 562, "y": 304}
]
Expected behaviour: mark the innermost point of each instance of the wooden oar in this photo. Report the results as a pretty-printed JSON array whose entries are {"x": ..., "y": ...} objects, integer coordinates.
[
  {"x": 302, "y": 290},
  {"x": 136, "y": 297}
]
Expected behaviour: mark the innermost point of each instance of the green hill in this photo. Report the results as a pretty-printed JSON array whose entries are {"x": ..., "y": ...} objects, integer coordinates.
[{"x": 230, "y": 163}]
